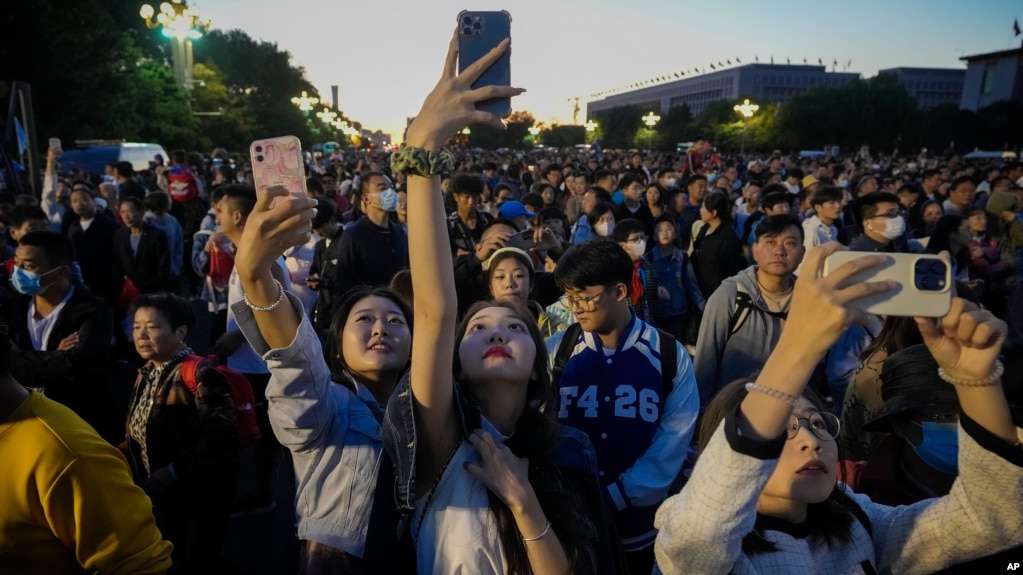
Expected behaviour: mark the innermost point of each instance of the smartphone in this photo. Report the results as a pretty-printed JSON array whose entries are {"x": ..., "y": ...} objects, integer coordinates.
[
  {"x": 55, "y": 145},
  {"x": 925, "y": 284},
  {"x": 278, "y": 162},
  {"x": 522, "y": 240},
  {"x": 478, "y": 34}
]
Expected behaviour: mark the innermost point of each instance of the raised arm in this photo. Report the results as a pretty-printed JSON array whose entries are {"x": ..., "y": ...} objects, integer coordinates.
[
  {"x": 268, "y": 232},
  {"x": 447, "y": 109}
]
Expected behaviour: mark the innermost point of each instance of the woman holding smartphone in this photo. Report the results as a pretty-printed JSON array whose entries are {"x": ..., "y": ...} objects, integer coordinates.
[
  {"x": 763, "y": 497},
  {"x": 487, "y": 482}
]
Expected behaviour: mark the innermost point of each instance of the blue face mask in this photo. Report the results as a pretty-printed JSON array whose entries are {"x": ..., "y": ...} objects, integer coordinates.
[
  {"x": 26, "y": 282},
  {"x": 940, "y": 447},
  {"x": 388, "y": 200}
]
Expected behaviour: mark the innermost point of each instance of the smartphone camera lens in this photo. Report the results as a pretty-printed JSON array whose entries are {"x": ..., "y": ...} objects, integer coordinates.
[
  {"x": 259, "y": 148},
  {"x": 467, "y": 31},
  {"x": 930, "y": 275},
  {"x": 467, "y": 20},
  {"x": 476, "y": 25},
  {"x": 259, "y": 158}
]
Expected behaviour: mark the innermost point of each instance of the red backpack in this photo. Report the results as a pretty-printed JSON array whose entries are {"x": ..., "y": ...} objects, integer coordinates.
[{"x": 241, "y": 395}]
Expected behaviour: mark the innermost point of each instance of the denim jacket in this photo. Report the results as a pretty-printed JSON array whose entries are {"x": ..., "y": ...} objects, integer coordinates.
[
  {"x": 333, "y": 434},
  {"x": 396, "y": 499}
]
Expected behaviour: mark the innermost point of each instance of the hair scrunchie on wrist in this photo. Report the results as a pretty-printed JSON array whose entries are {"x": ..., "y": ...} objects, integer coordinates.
[{"x": 420, "y": 162}]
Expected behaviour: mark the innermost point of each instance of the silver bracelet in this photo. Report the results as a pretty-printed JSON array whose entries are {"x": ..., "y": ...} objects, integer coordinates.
[
  {"x": 271, "y": 307},
  {"x": 546, "y": 530},
  {"x": 996, "y": 375},
  {"x": 789, "y": 399}
]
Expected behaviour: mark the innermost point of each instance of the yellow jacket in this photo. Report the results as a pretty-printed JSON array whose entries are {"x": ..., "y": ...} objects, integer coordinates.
[{"x": 67, "y": 501}]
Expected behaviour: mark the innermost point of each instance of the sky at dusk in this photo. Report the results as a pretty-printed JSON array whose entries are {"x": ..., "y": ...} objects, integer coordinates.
[{"x": 387, "y": 54}]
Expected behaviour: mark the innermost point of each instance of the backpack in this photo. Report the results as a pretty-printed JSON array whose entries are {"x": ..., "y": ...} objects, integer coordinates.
[
  {"x": 744, "y": 305},
  {"x": 241, "y": 395},
  {"x": 669, "y": 357},
  {"x": 182, "y": 184}
]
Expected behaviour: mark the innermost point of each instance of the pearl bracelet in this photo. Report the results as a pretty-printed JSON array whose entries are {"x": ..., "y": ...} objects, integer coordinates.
[
  {"x": 546, "y": 530},
  {"x": 996, "y": 375},
  {"x": 271, "y": 307},
  {"x": 789, "y": 399}
]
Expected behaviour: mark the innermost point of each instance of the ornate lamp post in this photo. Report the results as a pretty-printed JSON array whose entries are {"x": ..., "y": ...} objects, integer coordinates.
[
  {"x": 305, "y": 102},
  {"x": 182, "y": 25},
  {"x": 534, "y": 131},
  {"x": 327, "y": 115},
  {"x": 650, "y": 120},
  {"x": 746, "y": 110}
]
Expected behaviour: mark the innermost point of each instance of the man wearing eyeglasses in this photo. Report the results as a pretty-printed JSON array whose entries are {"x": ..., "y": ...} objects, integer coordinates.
[
  {"x": 880, "y": 221},
  {"x": 612, "y": 388}
]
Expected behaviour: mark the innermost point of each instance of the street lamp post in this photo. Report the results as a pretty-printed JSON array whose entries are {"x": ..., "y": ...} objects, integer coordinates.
[
  {"x": 746, "y": 110},
  {"x": 650, "y": 120},
  {"x": 591, "y": 126},
  {"x": 534, "y": 131},
  {"x": 305, "y": 102},
  {"x": 327, "y": 115},
  {"x": 182, "y": 25}
]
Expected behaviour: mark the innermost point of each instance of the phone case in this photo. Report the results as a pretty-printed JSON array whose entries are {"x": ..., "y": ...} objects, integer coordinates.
[
  {"x": 925, "y": 284},
  {"x": 278, "y": 162},
  {"x": 479, "y": 33}
]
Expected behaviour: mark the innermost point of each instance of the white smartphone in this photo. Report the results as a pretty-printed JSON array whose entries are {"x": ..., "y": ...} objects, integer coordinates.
[
  {"x": 55, "y": 145},
  {"x": 924, "y": 290}
]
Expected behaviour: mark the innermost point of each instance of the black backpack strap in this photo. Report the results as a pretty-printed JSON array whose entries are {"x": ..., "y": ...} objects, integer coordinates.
[
  {"x": 564, "y": 352},
  {"x": 669, "y": 362},
  {"x": 743, "y": 306}
]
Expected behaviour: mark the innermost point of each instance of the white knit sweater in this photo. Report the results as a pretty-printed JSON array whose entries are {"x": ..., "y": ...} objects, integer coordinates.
[{"x": 701, "y": 529}]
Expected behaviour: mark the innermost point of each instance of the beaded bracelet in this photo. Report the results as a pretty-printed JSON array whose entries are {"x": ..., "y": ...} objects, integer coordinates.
[
  {"x": 546, "y": 530},
  {"x": 996, "y": 375},
  {"x": 789, "y": 399},
  {"x": 271, "y": 307},
  {"x": 420, "y": 162}
]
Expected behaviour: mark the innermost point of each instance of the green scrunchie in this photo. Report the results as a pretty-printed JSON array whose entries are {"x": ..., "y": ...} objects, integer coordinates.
[{"x": 419, "y": 162}]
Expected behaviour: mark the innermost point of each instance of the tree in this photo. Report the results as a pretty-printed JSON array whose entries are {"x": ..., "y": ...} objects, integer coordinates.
[
  {"x": 617, "y": 127},
  {"x": 564, "y": 136}
]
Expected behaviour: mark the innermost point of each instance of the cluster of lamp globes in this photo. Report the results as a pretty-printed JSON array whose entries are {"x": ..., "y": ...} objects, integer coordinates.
[{"x": 175, "y": 20}]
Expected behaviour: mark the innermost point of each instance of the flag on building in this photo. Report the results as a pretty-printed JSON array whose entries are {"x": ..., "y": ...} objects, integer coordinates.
[
  {"x": 22, "y": 137},
  {"x": 1015, "y": 27}
]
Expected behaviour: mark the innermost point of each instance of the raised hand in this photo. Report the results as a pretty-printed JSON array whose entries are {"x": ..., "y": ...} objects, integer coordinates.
[
  {"x": 966, "y": 342},
  {"x": 819, "y": 313},
  {"x": 452, "y": 104},
  {"x": 270, "y": 231}
]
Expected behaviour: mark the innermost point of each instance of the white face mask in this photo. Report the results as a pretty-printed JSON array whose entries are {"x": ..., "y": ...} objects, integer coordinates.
[
  {"x": 637, "y": 249},
  {"x": 894, "y": 227},
  {"x": 670, "y": 183},
  {"x": 793, "y": 188},
  {"x": 604, "y": 229}
]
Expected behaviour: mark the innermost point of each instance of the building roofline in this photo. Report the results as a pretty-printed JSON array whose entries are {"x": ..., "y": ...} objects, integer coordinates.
[{"x": 992, "y": 55}]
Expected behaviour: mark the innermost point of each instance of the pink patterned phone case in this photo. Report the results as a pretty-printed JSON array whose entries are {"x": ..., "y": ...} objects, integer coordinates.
[{"x": 278, "y": 162}]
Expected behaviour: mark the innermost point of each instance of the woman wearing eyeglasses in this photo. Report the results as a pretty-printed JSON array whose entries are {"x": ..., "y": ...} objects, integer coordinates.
[{"x": 763, "y": 497}]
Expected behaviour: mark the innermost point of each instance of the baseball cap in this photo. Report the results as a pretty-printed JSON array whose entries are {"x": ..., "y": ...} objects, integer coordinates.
[{"x": 513, "y": 209}]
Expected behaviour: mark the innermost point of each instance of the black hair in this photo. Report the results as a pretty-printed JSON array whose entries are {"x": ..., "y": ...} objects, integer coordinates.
[
  {"x": 597, "y": 262},
  {"x": 177, "y": 310},
  {"x": 827, "y": 194},
  {"x": 21, "y": 214},
  {"x": 325, "y": 210},
  {"x": 941, "y": 236},
  {"x": 866, "y": 207},
  {"x": 600, "y": 194},
  {"x": 960, "y": 181},
  {"x": 719, "y": 203},
  {"x": 551, "y": 168},
  {"x": 773, "y": 189},
  {"x": 124, "y": 169},
  {"x": 795, "y": 173},
  {"x": 58, "y": 249},
  {"x": 626, "y": 228},
  {"x": 364, "y": 179},
  {"x": 601, "y": 174},
  {"x": 314, "y": 184},
  {"x": 776, "y": 224},
  {"x": 532, "y": 200},
  {"x": 242, "y": 197},
  {"x": 135, "y": 203},
  {"x": 498, "y": 222},
  {"x": 598, "y": 212},
  {"x": 467, "y": 184},
  {"x": 339, "y": 371},
  {"x": 157, "y": 202},
  {"x": 628, "y": 179},
  {"x": 551, "y": 213}
]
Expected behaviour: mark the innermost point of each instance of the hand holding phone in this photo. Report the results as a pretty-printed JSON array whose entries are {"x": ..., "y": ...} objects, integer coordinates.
[
  {"x": 278, "y": 162},
  {"x": 55, "y": 145},
  {"x": 523, "y": 240},
  {"x": 478, "y": 34},
  {"x": 924, "y": 283}
]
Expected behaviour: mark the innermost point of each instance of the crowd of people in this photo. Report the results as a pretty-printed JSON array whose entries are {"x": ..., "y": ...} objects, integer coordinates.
[{"x": 514, "y": 362}]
